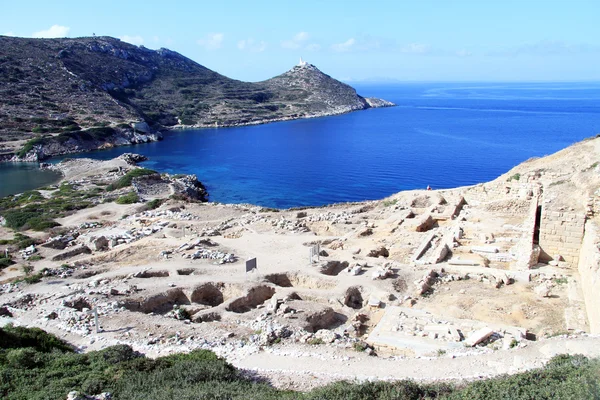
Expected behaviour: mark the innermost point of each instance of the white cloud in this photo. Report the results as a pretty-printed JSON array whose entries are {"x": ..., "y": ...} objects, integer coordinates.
[
  {"x": 416, "y": 48},
  {"x": 301, "y": 37},
  {"x": 55, "y": 31},
  {"x": 252, "y": 45},
  {"x": 136, "y": 40},
  {"x": 11, "y": 33},
  {"x": 313, "y": 47},
  {"x": 463, "y": 53},
  {"x": 346, "y": 46},
  {"x": 212, "y": 41},
  {"x": 296, "y": 42}
]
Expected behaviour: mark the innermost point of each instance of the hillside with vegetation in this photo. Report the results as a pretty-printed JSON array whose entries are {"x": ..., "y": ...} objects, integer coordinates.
[{"x": 64, "y": 86}]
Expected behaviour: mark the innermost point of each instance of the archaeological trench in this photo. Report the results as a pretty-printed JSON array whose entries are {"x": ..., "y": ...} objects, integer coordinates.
[{"x": 492, "y": 268}]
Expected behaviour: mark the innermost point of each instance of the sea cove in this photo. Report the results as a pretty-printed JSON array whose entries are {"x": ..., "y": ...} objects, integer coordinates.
[{"x": 442, "y": 135}]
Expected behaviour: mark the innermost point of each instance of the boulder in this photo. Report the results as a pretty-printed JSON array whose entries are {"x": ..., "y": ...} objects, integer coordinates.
[
  {"x": 326, "y": 335},
  {"x": 478, "y": 336},
  {"x": 379, "y": 252},
  {"x": 141, "y": 126},
  {"x": 99, "y": 244},
  {"x": 132, "y": 158}
]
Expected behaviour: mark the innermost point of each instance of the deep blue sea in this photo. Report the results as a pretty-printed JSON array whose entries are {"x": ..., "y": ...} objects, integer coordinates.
[{"x": 442, "y": 135}]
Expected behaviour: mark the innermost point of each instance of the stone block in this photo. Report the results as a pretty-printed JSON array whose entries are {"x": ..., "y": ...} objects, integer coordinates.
[{"x": 478, "y": 336}]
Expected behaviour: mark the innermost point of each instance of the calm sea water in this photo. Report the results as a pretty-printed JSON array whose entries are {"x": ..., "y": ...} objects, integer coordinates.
[
  {"x": 442, "y": 135},
  {"x": 19, "y": 177}
]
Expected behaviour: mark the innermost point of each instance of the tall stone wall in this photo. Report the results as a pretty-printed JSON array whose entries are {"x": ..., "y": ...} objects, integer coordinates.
[
  {"x": 526, "y": 251},
  {"x": 589, "y": 271},
  {"x": 561, "y": 233}
]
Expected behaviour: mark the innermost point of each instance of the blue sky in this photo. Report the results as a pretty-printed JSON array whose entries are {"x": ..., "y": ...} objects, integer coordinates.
[{"x": 418, "y": 40}]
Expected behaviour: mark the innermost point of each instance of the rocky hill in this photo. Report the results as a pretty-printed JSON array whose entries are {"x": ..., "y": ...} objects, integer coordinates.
[{"x": 65, "y": 85}]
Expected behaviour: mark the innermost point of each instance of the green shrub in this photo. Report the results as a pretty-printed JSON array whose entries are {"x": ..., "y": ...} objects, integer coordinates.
[
  {"x": 27, "y": 269},
  {"x": 360, "y": 346},
  {"x": 12, "y": 337},
  {"x": 36, "y": 365},
  {"x": 126, "y": 179},
  {"x": 40, "y": 223},
  {"x": 16, "y": 219},
  {"x": 22, "y": 358},
  {"x": 128, "y": 198},
  {"x": 564, "y": 377},
  {"x": 388, "y": 203},
  {"x": 28, "y": 146},
  {"x": 5, "y": 261},
  {"x": 31, "y": 279},
  {"x": 154, "y": 204},
  {"x": 515, "y": 177}
]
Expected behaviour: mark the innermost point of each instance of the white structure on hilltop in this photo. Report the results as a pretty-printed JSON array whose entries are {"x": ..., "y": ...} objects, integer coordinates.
[{"x": 302, "y": 63}]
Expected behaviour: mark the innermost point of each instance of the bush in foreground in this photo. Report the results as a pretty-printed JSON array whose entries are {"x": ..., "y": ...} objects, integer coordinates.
[{"x": 37, "y": 365}]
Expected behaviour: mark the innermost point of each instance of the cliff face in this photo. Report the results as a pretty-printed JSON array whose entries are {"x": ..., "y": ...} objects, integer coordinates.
[{"x": 65, "y": 85}]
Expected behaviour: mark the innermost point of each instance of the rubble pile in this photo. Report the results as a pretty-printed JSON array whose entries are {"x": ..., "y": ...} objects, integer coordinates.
[
  {"x": 335, "y": 218},
  {"x": 169, "y": 213}
]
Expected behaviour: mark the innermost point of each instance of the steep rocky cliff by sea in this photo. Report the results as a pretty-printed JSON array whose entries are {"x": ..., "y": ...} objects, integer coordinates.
[{"x": 54, "y": 90}]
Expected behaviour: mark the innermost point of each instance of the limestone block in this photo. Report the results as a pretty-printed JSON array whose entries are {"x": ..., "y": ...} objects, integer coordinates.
[{"x": 478, "y": 336}]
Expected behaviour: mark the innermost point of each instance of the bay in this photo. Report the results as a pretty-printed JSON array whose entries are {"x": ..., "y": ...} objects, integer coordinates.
[
  {"x": 442, "y": 135},
  {"x": 20, "y": 177}
]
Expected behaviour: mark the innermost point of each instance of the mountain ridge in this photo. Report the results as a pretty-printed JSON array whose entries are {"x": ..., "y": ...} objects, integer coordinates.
[{"x": 57, "y": 86}]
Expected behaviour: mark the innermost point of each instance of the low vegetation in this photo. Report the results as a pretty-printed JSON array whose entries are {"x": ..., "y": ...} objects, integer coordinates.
[
  {"x": 128, "y": 198},
  {"x": 515, "y": 177},
  {"x": 69, "y": 132},
  {"x": 18, "y": 242},
  {"x": 126, "y": 179},
  {"x": 5, "y": 260},
  {"x": 37, "y": 365},
  {"x": 31, "y": 210}
]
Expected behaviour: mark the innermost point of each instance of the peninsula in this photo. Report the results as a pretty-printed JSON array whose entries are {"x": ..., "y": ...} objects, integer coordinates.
[{"x": 60, "y": 96}]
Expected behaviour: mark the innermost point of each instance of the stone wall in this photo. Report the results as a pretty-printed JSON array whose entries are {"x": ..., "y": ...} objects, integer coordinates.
[
  {"x": 589, "y": 270},
  {"x": 526, "y": 251},
  {"x": 525, "y": 188},
  {"x": 561, "y": 233}
]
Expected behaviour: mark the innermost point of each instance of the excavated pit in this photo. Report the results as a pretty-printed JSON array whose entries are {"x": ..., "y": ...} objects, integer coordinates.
[
  {"x": 305, "y": 281},
  {"x": 333, "y": 268},
  {"x": 282, "y": 280},
  {"x": 89, "y": 273},
  {"x": 78, "y": 304},
  {"x": 209, "y": 294},
  {"x": 204, "y": 316},
  {"x": 255, "y": 296},
  {"x": 151, "y": 274},
  {"x": 187, "y": 271},
  {"x": 353, "y": 298},
  {"x": 160, "y": 303}
]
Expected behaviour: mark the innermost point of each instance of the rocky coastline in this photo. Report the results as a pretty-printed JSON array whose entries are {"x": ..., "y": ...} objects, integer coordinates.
[{"x": 54, "y": 146}]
